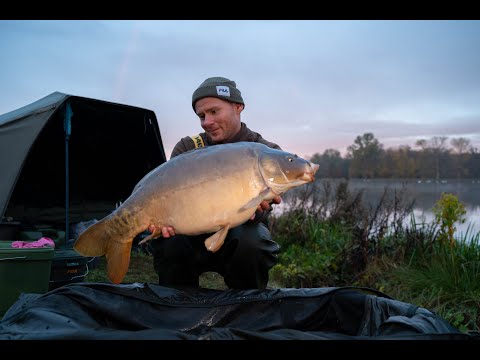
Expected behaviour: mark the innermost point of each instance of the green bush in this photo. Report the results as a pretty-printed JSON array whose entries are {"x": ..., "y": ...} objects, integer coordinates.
[{"x": 448, "y": 210}]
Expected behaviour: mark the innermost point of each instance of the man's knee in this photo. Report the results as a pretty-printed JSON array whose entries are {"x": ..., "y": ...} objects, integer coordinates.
[
  {"x": 174, "y": 261},
  {"x": 253, "y": 237},
  {"x": 169, "y": 252},
  {"x": 254, "y": 254}
]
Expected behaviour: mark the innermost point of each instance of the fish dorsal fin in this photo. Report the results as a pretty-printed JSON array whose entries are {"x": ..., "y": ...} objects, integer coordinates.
[
  {"x": 215, "y": 242},
  {"x": 255, "y": 201}
]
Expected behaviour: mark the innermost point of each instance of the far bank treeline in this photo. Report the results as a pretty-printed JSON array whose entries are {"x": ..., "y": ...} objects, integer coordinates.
[{"x": 439, "y": 157}]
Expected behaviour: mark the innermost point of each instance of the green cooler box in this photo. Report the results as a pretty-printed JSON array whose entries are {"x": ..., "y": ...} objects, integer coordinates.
[{"x": 23, "y": 270}]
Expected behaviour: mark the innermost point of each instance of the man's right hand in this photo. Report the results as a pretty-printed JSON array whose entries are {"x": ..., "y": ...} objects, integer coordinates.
[{"x": 266, "y": 205}]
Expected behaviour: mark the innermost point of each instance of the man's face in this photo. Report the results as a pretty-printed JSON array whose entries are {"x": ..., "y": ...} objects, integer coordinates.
[{"x": 220, "y": 119}]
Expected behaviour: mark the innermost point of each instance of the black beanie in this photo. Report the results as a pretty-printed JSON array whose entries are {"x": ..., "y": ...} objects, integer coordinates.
[{"x": 218, "y": 87}]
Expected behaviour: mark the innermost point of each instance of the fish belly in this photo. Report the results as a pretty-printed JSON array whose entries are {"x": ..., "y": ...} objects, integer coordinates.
[{"x": 207, "y": 200}]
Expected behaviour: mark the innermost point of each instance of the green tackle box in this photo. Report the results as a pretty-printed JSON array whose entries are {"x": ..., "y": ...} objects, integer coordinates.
[{"x": 68, "y": 267}]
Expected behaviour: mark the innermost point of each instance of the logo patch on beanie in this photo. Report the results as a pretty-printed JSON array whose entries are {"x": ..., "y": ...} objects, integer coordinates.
[{"x": 223, "y": 91}]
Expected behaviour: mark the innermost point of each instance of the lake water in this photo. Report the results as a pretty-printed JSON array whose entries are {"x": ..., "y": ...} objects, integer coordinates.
[{"x": 426, "y": 193}]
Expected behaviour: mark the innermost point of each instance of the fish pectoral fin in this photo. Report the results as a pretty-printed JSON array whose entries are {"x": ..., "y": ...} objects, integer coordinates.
[
  {"x": 255, "y": 201},
  {"x": 156, "y": 233},
  {"x": 215, "y": 242}
]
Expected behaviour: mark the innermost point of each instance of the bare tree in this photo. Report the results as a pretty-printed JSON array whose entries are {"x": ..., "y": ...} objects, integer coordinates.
[
  {"x": 461, "y": 147},
  {"x": 439, "y": 147},
  {"x": 434, "y": 148}
]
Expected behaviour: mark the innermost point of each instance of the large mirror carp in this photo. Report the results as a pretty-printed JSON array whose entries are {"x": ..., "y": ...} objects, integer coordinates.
[{"x": 207, "y": 190}]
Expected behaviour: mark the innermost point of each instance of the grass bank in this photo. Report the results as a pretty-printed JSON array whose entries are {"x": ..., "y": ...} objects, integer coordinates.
[{"x": 329, "y": 238}]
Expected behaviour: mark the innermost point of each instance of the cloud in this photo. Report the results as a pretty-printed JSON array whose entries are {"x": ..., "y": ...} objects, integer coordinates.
[{"x": 308, "y": 85}]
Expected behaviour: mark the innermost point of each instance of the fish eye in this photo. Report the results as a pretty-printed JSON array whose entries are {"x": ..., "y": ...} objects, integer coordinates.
[{"x": 290, "y": 159}]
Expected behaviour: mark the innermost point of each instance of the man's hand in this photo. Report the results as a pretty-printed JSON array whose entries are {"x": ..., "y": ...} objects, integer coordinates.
[
  {"x": 167, "y": 231},
  {"x": 265, "y": 205}
]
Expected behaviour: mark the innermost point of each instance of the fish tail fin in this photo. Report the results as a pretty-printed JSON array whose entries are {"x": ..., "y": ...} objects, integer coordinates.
[
  {"x": 99, "y": 239},
  {"x": 118, "y": 260},
  {"x": 93, "y": 241}
]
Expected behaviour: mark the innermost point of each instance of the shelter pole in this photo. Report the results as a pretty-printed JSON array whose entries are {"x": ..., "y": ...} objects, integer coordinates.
[{"x": 67, "y": 126}]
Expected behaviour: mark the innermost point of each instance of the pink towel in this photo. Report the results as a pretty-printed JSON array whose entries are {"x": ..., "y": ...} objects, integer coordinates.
[{"x": 44, "y": 241}]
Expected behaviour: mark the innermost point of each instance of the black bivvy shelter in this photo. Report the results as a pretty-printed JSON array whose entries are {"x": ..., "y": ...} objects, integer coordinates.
[{"x": 68, "y": 159}]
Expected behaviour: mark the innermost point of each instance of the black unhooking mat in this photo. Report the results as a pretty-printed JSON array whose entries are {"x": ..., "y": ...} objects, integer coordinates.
[{"x": 148, "y": 311}]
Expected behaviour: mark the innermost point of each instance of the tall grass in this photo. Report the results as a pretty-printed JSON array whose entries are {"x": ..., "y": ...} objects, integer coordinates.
[{"x": 445, "y": 280}]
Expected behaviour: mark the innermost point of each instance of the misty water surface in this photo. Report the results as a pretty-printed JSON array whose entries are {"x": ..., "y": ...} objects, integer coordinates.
[{"x": 425, "y": 193}]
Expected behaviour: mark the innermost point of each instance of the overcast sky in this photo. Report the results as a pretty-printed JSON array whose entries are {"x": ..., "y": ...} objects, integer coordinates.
[{"x": 307, "y": 85}]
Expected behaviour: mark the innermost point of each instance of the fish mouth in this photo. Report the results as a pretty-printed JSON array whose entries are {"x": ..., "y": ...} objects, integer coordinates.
[
  {"x": 309, "y": 175},
  {"x": 314, "y": 167}
]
